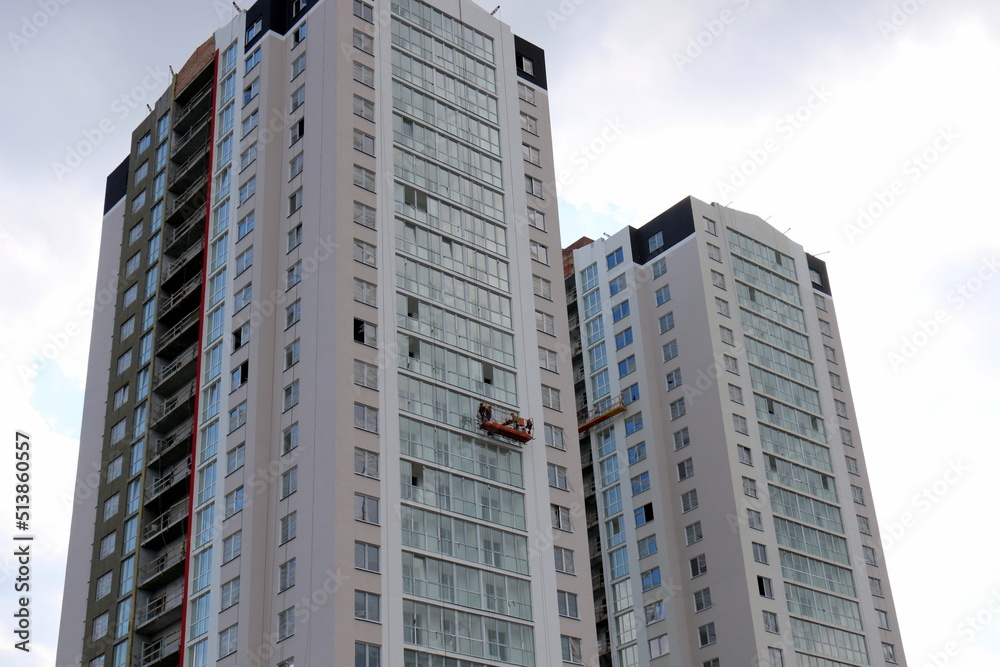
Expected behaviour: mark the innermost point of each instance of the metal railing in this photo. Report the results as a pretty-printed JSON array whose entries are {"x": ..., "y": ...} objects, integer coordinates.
[
  {"x": 160, "y": 648},
  {"x": 173, "y": 402},
  {"x": 163, "y": 562},
  {"x": 179, "y": 295},
  {"x": 179, "y": 361},
  {"x": 177, "y": 512},
  {"x": 176, "y": 330}
]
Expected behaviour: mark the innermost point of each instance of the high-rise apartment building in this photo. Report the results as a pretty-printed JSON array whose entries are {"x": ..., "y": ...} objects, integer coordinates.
[
  {"x": 729, "y": 513},
  {"x": 328, "y": 416}
]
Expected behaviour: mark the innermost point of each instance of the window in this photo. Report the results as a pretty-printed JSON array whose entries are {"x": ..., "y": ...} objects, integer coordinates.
[
  {"x": 289, "y": 482},
  {"x": 841, "y": 408},
  {"x": 365, "y": 508},
  {"x": 636, "y": 453},
  {"x": 633, "y": 424},
  {"x": 564, "y": 560},
  {"x": 529, "y": 123},
  {"x": 131, "y": 294},
  {"x": 858, "y": 494},
  {"x": 663, "y": 295},
  {"x": 643, "y": 515},
  {"x": 290, "y": 396},
  {"x": 232, "y": 546},
  {"x": 525, "y": 64},
  {"x": 746, "y": 456},
  {"x": 531, "y": 154},
  {"x": 754, "y": 520},
  {"x": 364, "y": 75},
  {"x": 365, "y": 374},
  {"x": 287, "y": 527},
  {"x": 647, "y": 546},
  {"x": 551, "y": 398},
  {"x": 760, "y": 552},
  {"x": 555, "y": 437},
  {"x": 295, "y": 201},
  {"x": 365, "y": 292},
  {"x": 845, "y": 437},
  {"x": 100, "y": 628},
  {"x": 702, "y": 599},
  {"x": 286, "y": 623},
  {"x": 864, "y": 527},
  {"x": 121, "y": 397},
  {"x": 617, "y": 284},
  {"x": 692, "y": 532},
  {"x": 630, "y": 394},
  {"x": 678, "y": 409},
  {"x": 292, "y": 353},
  {"x": 740, "y": 424},
  {"x": 298, "y": 65},
  {"x": 718, "y": 280},
  {"x": 364, "y": 332},
  {"x": 526, "y": 92},
  {"x": 558, "y": 477},
  {"x": 655, "y": 242},
  {"x": 365, "y": 417},
  {"x": 242, "y": 297},
  {"x": 620, "y": 311},
  {"x": 568, "y": 605},
  {"x": 561, "y": 518},
  {"x": 615, "y": 258},
  {"x": 764, "y": 587},
  {"x": 623, "y": 338},
  {"x": 290, "y": 438},
  {"x": 771, "y": 622},
  {"x": 689, "y": 500},
  {"x": 366, "y": 606},
  {"x": 542, "y": 287},
  {"x": 365, "y": 655},
  {"x": 706, "y": 634},
  {"x": 659, "y": 646},
  {"x": 820, "y": 301},
  {"x": 831, "y": 354},
  {"x": 238, "y": 416},
  {"x": 364, "y": 178},
  {"x": 749, "y": 487},
  {"x": 883, "y": 619},
  {"x": 722, "y": 307},
  {"x": 234, "y": 502},
  {"x": 235, "y": 458},
  {"x": 228, "y": 639},
  {"x": 536, "y": 219},
  {"x": 252, "y": 60},
  {"x": 572, "y": 649},
  {"x": 871, "y": 558},
  {"x": 876, "y": 586},
  {"x": 114, "y": 469},
  {"x": 889, "y": 652},
  {"x": 250, "y": 123},
  {"x": 144, "y": 143},
  {"x": 294, "y": 237},
  {"x": 835, "y": 381},
  {"x": 655, "y": 611},
  {"x": 230, "y": 593},
  {"x": 364, "y": 42},
  {"x": 650, "y": 579},
  {"x": 640, "y": 483},
  {"x": 132, "y": 265},
  {"x": 735, "y": 394},
  {"x": 363, "y": 11},
  {"x": 366, "y": 556},
  {"x": 539, "y": 252},
  {"x": 685, "y": 469},
  {"x": 248, "y": 189},
  {"x": 365, "y": 463},
  {"x": 626, "y": 366},
  {"x": 670, "y": 350},
  {"x": 698, "y": 565},
  {"x": 255, "y": 29},
  {"x": 364, "y": 108}
]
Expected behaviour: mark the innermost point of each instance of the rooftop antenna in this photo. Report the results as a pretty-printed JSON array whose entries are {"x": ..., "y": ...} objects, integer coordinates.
[
  {"x": 821, "y": 253},
  {"x": 238, "y": 8},
  {"x": 786, "y": 231},
  {"x": 171, "y": 68},
  {"x": 494, "y": 12}
]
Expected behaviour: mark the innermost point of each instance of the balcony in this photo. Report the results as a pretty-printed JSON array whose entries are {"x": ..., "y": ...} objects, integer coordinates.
[
  {"x": 188, "y": 294},
  {"x": 175, "y": 409},
  {"x": 173, "y": 375},
  {"x": 183, "y": 333},
  {"x": 160, "y": 652},
  {"x": 191, "y": 200},
  {"x": 167, "y": 526},
  {"x": 169, "y": 485},
  {"x": 183, "y": 175},
  {"x": 161, "y": 611},
  {"x": 200, "y": 103},
  {"x": 170, "y": 449},
  {"x": 174, "y": 270},
  {"x": 168, "y": 565},
  {"x": 185, "y": 146},
  {"x": 185, "y": 233}
]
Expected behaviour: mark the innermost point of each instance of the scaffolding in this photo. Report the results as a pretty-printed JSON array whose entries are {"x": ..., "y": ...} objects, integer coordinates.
[
  {"x": 506, "y": 423},
  {"x": 601, "y": 412}
]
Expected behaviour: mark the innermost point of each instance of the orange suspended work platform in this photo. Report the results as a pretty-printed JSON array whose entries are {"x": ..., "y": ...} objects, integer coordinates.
[
  {"x": 602, "y": 412},
  {"x": 499, "y": 421}
]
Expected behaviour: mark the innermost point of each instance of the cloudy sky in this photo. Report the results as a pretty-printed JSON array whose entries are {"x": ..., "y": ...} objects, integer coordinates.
[{"x": 867, "y": 128}]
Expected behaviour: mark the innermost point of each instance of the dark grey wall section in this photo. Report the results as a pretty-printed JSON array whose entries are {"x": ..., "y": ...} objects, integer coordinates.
[
  {"x": 676, "y": 223},
  {"x": 525, "y": 49},
  {"x": 116, "y": 186},
  {"x": 819, "y": 266}
]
